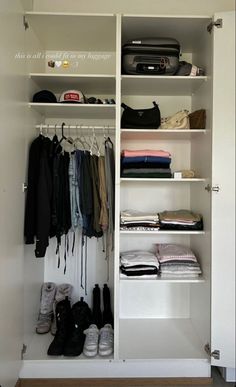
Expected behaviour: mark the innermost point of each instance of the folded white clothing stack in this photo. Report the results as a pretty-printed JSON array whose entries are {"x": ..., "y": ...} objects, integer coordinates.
[
  {"x": 138, "y": 263},
  {"x": 177, "y": 261},
  {"x": 139, "y": 220}
]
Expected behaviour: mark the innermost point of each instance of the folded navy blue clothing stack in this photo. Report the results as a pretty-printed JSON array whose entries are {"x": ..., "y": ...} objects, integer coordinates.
[{"x": 145, "y": 164}]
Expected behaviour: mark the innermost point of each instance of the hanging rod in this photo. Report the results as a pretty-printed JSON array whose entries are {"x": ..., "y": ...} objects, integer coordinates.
[{"x": 104, "y": 127}]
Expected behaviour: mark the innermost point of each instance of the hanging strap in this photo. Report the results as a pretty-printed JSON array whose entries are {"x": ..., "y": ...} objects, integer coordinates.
[
  {"x": 65, "y": 253},
  {"x": 86, "y": 263},
  {"x": 67, "y": 243},
  {"x": 107, "y": 256},
  {"x": 103, "y": 243},
  {"x": 82, "y": 262},
  {"x": 73, "y": 244},
  {"x": 58, "y": 253}
]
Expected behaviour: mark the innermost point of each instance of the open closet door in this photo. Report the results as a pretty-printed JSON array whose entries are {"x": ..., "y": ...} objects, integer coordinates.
[
  {"x": 223, "y": 200},
  {"x": 12, "y": 172}
]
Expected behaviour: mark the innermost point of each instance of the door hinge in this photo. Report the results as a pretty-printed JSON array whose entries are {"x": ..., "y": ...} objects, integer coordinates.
[
  {"x": 25, "y": 23},
  {"x": 24, "y": 187},
  {"x": 215, "y": 354},
  {"x": 214, "y": 188},
  {"x": 23, "y": 351},
  {"x": 218, "y": 23}
]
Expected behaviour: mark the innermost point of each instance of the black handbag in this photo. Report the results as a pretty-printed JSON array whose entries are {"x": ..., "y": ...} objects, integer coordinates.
[{"x": 141, "y": 118}]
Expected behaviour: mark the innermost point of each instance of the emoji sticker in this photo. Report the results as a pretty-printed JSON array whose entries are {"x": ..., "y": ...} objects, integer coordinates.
[
  {"x": 65, "y": 64},
  {"x": 58, "y": 63},
  {"x": 51, "y": 63}
]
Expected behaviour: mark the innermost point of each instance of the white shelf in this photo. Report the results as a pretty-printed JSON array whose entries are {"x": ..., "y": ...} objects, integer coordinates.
[
  {"x": 160, "y": 85},
  {"x": 68, "y": 14},
  {"x": 87, "y": 83},
  {"x": 200, "y": 279},
  {"x": 170, "y": 180},
  {"x": 72, "y": 28},
  {"x": 161, "y": 134},
  {"x": 54, "y": 110},
  {"x": 159, "y": 339},
  {"x": 37, "y": 350},
  {"x": 163, "y": 232}
]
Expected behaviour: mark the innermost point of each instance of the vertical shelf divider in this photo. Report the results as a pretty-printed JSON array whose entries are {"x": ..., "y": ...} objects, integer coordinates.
[{"x": 117, "y": 189}]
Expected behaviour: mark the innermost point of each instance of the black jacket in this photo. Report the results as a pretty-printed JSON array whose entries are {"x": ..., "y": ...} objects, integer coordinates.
[
  {"x": 61, "y": 211},
  {"x": 39, "y": 195}
]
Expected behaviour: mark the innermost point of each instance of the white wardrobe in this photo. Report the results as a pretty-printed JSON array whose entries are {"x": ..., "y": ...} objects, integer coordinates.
[{"x": 164, "y": 327}]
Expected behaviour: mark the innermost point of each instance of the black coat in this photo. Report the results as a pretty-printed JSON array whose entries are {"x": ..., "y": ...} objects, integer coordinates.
[{"x": 39, "y": 195}]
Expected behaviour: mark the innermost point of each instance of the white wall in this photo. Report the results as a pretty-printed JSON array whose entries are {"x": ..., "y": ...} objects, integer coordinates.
[
  {"x": 189, "y": 7},
  {"x": 27, "y": 4}
]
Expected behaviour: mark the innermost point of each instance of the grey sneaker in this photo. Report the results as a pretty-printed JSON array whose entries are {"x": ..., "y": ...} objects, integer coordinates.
[
  {"x": 63, "y": 291},
  {"x": 106, "y": 341},
  {"x": 91, "y": 341},
  {"x": 44, "y": 322}
]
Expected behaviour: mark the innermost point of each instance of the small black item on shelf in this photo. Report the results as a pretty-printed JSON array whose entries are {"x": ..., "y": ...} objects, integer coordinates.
[
  {"x": 91, "y": 100},
  {"x": 98, "y": 101},
  {"x": 188, "y": 69}
]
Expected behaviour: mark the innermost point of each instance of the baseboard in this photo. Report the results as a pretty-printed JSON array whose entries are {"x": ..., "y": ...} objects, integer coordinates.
[{"x": 114, "y": 382}]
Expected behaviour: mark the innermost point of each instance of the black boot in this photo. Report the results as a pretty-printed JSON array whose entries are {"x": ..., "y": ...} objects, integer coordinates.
[
  {"x": 80, "y": 320},
  {"x": 63, "y": 311},
  {"x": 107, "y": 313},
  {"x": 97, "y": 314}
]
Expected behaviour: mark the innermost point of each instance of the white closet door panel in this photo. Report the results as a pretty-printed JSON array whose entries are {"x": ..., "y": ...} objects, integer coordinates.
[
  {"x": 223, "y": 202},
  {"x": 12, "y": 171}
]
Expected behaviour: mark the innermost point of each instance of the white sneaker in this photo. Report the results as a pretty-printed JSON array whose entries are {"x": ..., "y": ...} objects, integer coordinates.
[
  {"x": 106, "y": 340},
  {"x": 91, "y": 341}
]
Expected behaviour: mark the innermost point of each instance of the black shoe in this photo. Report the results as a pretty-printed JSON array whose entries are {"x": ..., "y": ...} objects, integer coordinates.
[
  {"x": 107, "y": 313},
  {"x": 63, "y": 312},
  {"x": 80, "y": 320},
  {"x": 91, "y": 100},
  {"x": 97, "y": 314}
]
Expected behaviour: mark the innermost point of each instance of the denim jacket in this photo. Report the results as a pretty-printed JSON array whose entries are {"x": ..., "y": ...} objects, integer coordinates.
[{"x": 76, "y": 216}]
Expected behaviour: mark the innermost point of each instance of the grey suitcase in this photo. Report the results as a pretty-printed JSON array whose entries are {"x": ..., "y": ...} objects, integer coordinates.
[{"x": 151, "y": 56}]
